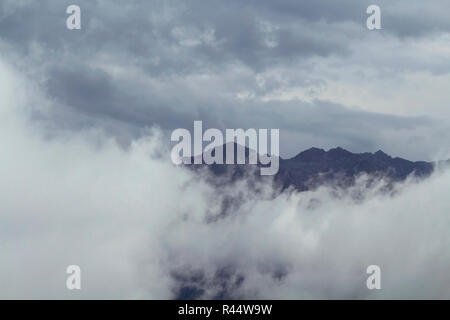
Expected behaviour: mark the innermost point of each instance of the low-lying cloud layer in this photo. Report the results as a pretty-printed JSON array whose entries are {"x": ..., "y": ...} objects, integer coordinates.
[{"x": 138, "y": 226}]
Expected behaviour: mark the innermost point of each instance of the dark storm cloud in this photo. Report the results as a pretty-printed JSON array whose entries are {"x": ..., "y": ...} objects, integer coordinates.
[
  {"x": 141, "y": 29},
  {"x": 94, "y": 93},
  {"x": 132, "y": 217},
  {"x": 175, "y": 44}
]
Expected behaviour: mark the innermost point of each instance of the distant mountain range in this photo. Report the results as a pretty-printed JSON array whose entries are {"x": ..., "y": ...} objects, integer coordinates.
[
  {"x": 315, "y": 166},
  {"x": 307, "y": 170}
]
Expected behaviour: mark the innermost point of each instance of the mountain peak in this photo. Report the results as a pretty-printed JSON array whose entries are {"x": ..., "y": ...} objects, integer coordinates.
[
  {"x": 338, "y": 153},
  {"x": 381, "y": 154},
  {"x": 310, "y": 154},
  {"x": 314, "y": 166}
]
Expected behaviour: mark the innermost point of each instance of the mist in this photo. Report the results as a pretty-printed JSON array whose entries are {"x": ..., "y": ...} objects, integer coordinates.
[{"x": 139, "y": 227}]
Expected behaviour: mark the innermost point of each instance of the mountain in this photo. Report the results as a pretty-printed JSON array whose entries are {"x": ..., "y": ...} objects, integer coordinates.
[
  {"x": 307, "y": 170},
  {"x": 313, "y": 167}
]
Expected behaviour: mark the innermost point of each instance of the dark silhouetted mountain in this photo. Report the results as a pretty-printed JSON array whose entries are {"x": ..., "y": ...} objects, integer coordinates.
[
  {"x": 306, "y": 171},
  {"x": 315, "y": 166}
]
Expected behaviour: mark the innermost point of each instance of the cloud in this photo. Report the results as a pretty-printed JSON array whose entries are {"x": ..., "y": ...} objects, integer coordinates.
[
  {"x": 252, "y": 64},
  {"x": 86, "y": 176},
  {"x": 139, "y": 227}
]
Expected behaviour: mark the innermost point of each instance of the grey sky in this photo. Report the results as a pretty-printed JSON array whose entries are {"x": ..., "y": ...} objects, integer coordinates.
[
  {"x": 141, "y": 227},
  {"x": 310, "y": 68}
]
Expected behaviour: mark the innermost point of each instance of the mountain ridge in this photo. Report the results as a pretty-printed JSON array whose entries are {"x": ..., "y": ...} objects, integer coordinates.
[{"x": 314, "y": 166}]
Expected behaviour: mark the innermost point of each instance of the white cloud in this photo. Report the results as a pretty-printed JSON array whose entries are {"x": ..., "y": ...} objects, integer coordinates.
[{"x": 129, "y": 219}]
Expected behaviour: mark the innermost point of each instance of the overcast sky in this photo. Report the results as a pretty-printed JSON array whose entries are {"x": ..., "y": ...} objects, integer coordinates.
[
  {"x": 310, "y": 68},
  {"x": 86, "y": 176}
]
